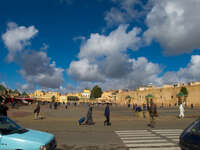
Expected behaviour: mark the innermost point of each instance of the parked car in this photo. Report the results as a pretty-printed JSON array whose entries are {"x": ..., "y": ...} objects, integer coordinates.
[
  {"x": 14, "y": 137},
  {"x": 190, "y": 137}
]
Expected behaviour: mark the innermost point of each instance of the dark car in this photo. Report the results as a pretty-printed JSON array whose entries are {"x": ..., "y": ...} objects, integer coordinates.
[{"x": 190, "y": 138}]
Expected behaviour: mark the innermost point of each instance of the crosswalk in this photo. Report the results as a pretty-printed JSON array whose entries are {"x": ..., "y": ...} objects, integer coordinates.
[{"x": 162, "y": 139}]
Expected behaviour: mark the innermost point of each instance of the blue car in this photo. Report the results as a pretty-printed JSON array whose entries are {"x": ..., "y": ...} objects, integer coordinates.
[
  {"x": 14, "y": 137},
  {"x": 190, "y": 138}
]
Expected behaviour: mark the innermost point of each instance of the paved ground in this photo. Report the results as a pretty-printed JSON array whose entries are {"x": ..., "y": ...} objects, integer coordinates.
[
  {"x": 152, "y": 139},
  {"x": 63, "y": 124}
]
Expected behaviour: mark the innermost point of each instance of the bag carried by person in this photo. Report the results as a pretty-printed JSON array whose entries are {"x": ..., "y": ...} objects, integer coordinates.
[{"x": 81, "y": 120}]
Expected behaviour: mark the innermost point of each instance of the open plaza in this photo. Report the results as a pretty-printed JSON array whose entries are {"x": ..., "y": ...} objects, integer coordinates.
[{"x": 63, "y": 123}]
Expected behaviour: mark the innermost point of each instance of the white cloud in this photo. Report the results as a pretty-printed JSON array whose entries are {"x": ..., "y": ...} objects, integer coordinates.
[
  {"x": 117, "y": 41},
  {"x": 26, "y": 87},
  {"x": 85, "y": 71},
  {"x": 126, "y": 11},
  {"x": 44, "y": 46},
  {"x": 190, "y": 73},
  {"x": 17, "y": 37},
  {"x": 103, "y": 60},
  {"x": 82, "y": 38},
  {"x": 175, "y": 24},
  {"x": 37, "y": 70},
  {"x": 4, "y": 84}
]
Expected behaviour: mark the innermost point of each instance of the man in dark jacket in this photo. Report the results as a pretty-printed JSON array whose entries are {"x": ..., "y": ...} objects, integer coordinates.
[
  {"x": 107, "y": 115},
  {"x": 3, "y": 109}
]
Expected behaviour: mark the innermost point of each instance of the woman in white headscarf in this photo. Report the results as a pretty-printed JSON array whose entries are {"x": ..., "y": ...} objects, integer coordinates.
[{"x": 181, "y": 110}]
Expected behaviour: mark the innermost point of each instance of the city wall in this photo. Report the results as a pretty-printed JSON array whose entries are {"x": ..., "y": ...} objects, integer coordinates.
[{"x": 161, "y": 96}]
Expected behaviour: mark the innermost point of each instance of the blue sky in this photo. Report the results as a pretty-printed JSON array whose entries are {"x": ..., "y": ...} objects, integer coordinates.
[{"x": 68, "y": 45}]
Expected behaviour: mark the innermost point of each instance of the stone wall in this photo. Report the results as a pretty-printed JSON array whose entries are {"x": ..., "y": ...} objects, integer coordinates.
[{"x": 166, "y": 96}]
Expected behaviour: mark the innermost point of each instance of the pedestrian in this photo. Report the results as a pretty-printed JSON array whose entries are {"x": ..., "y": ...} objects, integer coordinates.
[
  {"x": 37, "y": 111},
  {"x": 55, "y": 105},
  {"x": 65, "y": 105},
  {"x": 107, "y": 115},
  {"x": 181, "y": 111},
  {"x": 3, "y": 109},
  {"x": 153, "y": 113},
  {"x": 89, "y": 120},
  {"x": 50, "y": 105},
  {"x": 133, "y": 107},
  {"x": 144, "y": 109}
]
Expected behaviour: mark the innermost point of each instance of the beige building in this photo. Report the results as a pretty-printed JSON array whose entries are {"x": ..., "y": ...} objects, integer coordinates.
[
  {"x": 108, "y": 96},
  {"x": 45, "y": 96},
  {"x": 85, "y": 94},
  {"x": 165, "y": 95}
]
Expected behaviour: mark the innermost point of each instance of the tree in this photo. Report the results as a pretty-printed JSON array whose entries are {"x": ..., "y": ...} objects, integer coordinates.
[
  {"x": 185, "y": 94},
  {"x": 184, "y": 91},
  {"x": 128, "y": 97},
  {"x": 16, "y": 92},
  {"x": 182, "y": 95},
  {"x": 96, "y": 92},
  {"x": 53, "y": 98},
  {"x": 2, "y": 89},
  {"x": 24, "y": 94}
]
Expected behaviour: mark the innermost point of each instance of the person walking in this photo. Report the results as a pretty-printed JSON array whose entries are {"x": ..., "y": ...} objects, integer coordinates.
[
  {"x": 89, "y": 120},
  {"x": 37, "y": 111},
  {"x": 65, "y": 105},
  {"x": 144, "y": 109},
  {"x": 181, "y": 111},
  {"x": 153, "y": 113},
  {"x": 107, "y": 115},
  {"x": 3, "y": 109},
  {"x": 55, "y": 105},
  {"x": 50, "y": 105}
]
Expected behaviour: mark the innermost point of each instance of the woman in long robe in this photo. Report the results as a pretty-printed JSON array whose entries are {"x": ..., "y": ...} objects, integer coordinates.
[{"x": 89, "y": 120}]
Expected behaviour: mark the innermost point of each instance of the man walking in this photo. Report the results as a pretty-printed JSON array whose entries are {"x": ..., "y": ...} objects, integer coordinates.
[
  {"x": 37, "y": 111},
  {"x": 153, "y": 114},
  {"x": 3, "y": 109},
  {"x": 181, "y": 111},
  {"x": 107, "y": 115},
  {"x": 144, "y": 109}
]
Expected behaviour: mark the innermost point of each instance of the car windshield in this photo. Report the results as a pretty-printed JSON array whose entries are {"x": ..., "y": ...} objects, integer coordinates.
[{"x": 8, "y": 126}]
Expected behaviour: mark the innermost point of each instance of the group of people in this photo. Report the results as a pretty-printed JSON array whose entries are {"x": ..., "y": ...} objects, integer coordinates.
[
  {"x": 89, "y": 118},
  {"x": 150, "y": 108}
]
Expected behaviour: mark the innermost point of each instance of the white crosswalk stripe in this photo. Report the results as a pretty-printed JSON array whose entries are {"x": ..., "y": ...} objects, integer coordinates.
[{"x": 162, "y": 139}]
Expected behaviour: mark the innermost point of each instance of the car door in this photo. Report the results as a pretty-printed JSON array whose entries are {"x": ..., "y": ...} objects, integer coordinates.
[
  {"x": 0, "y": 141},
  {"x": 194, "y": 138}
]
